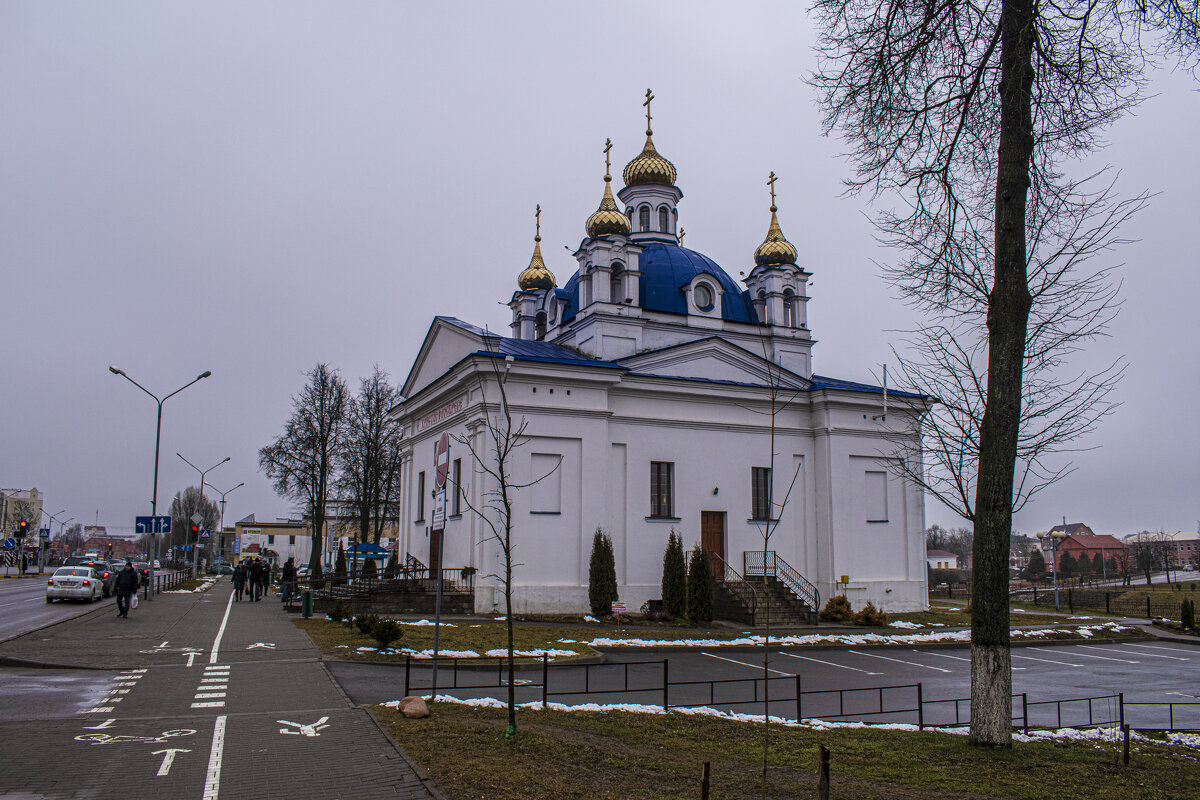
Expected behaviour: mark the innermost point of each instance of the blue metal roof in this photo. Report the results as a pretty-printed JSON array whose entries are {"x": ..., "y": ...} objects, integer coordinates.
[
  {"x": 665, "y": 270},
  {"x": 824, "y": 382}
]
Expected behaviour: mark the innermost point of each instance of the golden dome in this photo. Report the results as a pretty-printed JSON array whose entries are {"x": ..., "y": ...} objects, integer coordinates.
[
  {"x": 649, "y": 167},
  {"x": 775, "y": 249},
  {"x": 608, "y": 218},
  {"x": 536, "y": 276}
]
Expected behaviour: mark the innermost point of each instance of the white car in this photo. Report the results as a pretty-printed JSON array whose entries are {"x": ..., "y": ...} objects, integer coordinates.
[{"x": 74, "y": 583}]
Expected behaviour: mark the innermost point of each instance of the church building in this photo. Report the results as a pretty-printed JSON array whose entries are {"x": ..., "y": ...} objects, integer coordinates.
[{"x": 656, "y": 393}]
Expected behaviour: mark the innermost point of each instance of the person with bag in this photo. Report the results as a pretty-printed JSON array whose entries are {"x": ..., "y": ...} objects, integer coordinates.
[
  {"x": 256, "y": 572},
  {"x": 239, "y": 580},
  {"x": 125, "y": 587}
]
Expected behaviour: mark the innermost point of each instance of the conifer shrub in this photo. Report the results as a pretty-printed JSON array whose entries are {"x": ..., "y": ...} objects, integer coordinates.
[
  {"x": 369, "y": 569},
  {"x": 699, "y": 588},
  {"x": 393, "y": 564},
  {"x": 602, "y": 575},
  {"x": 837, "y": 609},
  {"x": 674, "y": 579},
  {"x": 870, "y": 615},
  {"x": 338, "y": 611},
  {"x": 386, "y": 631},
  {"x": 339, "y": 567},
  {"x": 366, "y": 623},
  {"x": 1187, "y": 615}
]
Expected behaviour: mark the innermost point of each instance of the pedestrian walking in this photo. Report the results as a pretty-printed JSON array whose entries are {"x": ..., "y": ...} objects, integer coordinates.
[
  {"x": 239, "y": 580},
  {"x": 255, "y": 579},
  {"x": 269, "y": 577},
  {"x": 125, "y": 586},
  {"x": 287, "y": 580}
]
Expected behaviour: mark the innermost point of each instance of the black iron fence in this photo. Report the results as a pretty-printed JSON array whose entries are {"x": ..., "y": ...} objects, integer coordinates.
[
  {"x": 649, "y": 683},
  {"x": 1073, "y": 598},
  {"x": 333, "y": 587}
]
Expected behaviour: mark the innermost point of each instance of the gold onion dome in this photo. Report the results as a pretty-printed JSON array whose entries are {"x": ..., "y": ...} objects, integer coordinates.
[
  {"x": 775, "y": 249},
  {"x": 536, "y": 276},
  {"x": 649, "y": 167},
  {"x": 607, "y": 218}
]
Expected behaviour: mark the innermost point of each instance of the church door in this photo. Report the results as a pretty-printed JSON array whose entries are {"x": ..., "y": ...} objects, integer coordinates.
[
  {"x": 435, "y": 553},
  {"x": 712, "y": 540}
]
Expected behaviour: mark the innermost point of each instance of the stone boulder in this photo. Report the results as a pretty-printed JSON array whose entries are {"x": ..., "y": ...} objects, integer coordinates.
[{"x": 414, "y": 707}]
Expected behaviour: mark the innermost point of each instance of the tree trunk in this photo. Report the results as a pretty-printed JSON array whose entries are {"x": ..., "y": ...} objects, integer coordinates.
[{"x": 1008, "y": 317}]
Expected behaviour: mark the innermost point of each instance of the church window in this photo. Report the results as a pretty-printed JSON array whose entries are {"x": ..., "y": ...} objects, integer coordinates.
[
  {"x": 664, "y": 223},
  {"x": 760, "y": 493},
  {"x": 789, "y": 308},
  {"x": 456, "y": 476},
  {"x": 291, "y": 540},
  {"x": 703, "y": 296},
  {"x": 662, "y": 489},
  {"x": 877, "y": 496},
  {"x": 421, "y": 496},
  {"x": 617, "y": 285},
  {"x": 644, "y": 218},
  {"x": 270, "y": 538},
  {"x": 540, "y": 325},
  {"x": 546, "y": 492}
]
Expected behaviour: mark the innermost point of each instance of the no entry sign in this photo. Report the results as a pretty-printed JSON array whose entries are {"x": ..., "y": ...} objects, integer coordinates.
[{"x": 441, "y": 458}]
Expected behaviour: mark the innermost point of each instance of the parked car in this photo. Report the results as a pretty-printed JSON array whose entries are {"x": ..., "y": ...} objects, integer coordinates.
[
  {"x": 74, "y": 583},
  {"x": 104, "y": 573},
  {"x": 143, "y": 569}
]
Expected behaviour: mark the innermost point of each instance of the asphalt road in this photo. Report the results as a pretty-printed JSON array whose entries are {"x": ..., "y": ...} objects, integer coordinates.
[{"x": 1150, "y": 672}]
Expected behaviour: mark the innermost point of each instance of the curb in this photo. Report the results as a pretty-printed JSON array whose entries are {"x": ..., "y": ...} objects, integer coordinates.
[{"x": 425, "y": 780}]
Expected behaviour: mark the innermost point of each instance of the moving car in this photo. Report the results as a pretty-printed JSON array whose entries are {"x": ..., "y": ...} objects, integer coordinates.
[{"x": 74, "y": 583}]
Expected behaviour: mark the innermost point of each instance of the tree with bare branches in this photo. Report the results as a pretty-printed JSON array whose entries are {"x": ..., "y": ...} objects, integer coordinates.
[
  {"x": 300, "y": 461},
  {"x": 966, "y": 112},
  {"x": 369, "y": 456}
]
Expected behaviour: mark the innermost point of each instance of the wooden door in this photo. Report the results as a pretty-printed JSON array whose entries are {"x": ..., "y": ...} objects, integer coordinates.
[
  {"x": 712, "y": 540},
  {"x": 435, "y": 553}
]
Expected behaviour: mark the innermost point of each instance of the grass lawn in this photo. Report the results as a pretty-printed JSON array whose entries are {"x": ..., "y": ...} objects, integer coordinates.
[{"x": 612, "y": 754}]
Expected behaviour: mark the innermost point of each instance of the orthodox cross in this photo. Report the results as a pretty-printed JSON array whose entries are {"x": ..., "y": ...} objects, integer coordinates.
[
  {"x": 607, "y": 147},
  {"x": 771, "y": 182},
  {"x": 538, "y": 217},
  {"x": 649, "y": 97},
  {"x": 681, "y": 235}
]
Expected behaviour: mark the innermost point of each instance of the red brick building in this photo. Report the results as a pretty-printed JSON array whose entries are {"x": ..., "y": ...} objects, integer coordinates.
[{"x": 1087, "y": 545}]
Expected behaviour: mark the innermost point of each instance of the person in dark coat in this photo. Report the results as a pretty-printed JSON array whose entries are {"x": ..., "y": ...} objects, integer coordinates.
[
  {"x": 125, "y": 586},
  {"x": 268, "y": 577},
  {"x": 287, "y": 580},
  {"x": 239, "y": 580},
  {"x": 256, "y": 571}
]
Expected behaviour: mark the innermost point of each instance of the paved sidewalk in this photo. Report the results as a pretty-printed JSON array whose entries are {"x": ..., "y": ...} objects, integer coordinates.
[{"x": 197, "y": 696}]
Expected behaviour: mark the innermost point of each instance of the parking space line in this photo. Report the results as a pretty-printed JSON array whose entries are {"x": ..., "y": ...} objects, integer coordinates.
[
  {"x": 744, "y": 664},
  {"x": 1048, "y": 661},
  {"x": 830, "y": 663},
  {"x": 1152, "y": 647},
  {"x": 897, "y": 660},
  {"x": 1106, "y": 658},
  {"x": 945, "y": 655}
]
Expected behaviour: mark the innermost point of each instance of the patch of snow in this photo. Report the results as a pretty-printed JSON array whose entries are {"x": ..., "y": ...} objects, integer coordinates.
[
  {"x": 902, "y": 624},
  {"x": 589, "y": 618},
  {"x": 500, "y": 652},
  {"x": 424, "y": 623}
]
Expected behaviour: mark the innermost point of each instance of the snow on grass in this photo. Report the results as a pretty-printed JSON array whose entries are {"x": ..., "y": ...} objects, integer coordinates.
[
  {"x": 902, "y": 624},
  {"x": 426, "y": 623},
  {"x": 205, "y": 585},
  {"x": 589, "y": 618},
  {"x": 1109, "y": 735}
]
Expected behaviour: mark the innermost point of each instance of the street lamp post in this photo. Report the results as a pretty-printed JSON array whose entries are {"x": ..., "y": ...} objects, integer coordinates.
[
  {"x": 1056, "y": 539},
  {"x": 203, "y": 472},
  {"x": 42, "y": 549},
  {"x": 157, "y": 440},
  {"x": 223, "y": 494}
]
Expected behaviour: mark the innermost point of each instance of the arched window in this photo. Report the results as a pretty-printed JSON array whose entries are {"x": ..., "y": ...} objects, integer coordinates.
[
  {"x": 539, "y": 325},
  {"x": 664, "y": 220},
  {"x": 617, "y": 284},
  {"x": 789, "y": 308},
  {"x": 761, "y": 302},
  {"x": 644, "y": 218},
  {"x": 703, "y": 296}
]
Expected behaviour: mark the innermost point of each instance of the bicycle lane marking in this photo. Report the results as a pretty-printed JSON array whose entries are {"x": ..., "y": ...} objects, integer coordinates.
[
  {"x": 216, "y": 648},
  {"x": 212, "y": 780}
]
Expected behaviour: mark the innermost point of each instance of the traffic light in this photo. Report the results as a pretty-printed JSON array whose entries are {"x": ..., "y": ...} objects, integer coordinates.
[
  {"x": 195, "y": 532},
  {"x": 22, "y": 526}
]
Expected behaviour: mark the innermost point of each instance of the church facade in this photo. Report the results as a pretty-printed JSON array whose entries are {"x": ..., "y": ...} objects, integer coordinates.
[{"x": 654, "y": 393}]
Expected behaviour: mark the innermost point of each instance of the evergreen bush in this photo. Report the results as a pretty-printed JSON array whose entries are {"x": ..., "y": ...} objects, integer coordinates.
[
  {"x": 1187, "y": 615},
  {"x": 369, "y": 569},
  {"x": 386, "y": 631},
  {"x": 393, "y": 564},
  {"x": 674, "y": 578},
  {"x": 366, "y": 623},
  {"x": 602, "y": 575},
  {"x": 338, "y": 611},
  {"x": 837, "y": 609},
  {"x": 339, "y": 567},
  {"x": 699, "y": 588},
  {"x": 869, "y": 615}
]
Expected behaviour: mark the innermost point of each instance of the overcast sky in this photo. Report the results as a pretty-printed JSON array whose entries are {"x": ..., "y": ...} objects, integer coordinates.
[{"x": 251, "y": 188}]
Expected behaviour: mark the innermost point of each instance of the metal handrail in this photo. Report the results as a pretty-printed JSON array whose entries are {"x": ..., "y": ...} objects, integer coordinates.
[
  {"x": 745, "y": 591},
  {"x": 768, "y": 563}
]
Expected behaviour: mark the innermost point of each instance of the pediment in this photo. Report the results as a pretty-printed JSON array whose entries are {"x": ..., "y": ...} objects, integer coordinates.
[
  {"x": 447, "y": 342},
  {"x": 712, "y": 359}
]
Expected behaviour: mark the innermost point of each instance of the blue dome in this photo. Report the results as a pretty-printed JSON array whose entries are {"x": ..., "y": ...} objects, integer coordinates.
[{"x": 668, "y": 268}]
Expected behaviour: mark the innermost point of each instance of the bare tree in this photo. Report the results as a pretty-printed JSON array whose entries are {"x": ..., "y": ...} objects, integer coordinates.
[
  {"x": 301, "y": 461},
  {"x": 494, "y": 462},
  {"x": 369, "y": 456},
  {"x": 965, "y": 112},
  {"x": 72, "y": 539},
  {"x": 186, "y": 503}
]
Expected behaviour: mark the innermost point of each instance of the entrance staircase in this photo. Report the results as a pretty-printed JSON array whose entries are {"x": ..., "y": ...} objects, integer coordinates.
[{"x": 767, "y": 589}]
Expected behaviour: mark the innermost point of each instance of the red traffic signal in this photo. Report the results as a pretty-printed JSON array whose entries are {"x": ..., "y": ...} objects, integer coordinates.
[
  {"x": 22, "y": 525},
  {"x": 195, "y": 529}
]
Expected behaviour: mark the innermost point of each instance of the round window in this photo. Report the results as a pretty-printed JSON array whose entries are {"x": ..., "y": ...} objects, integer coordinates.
[{"x": 703, "y": 295}]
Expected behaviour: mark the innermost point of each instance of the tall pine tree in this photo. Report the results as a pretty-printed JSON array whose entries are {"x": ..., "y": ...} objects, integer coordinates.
[
  {"x": 602, "y": 575},
  {"x": 674, "y": 578},
  {"x": 699, "y": 588}
]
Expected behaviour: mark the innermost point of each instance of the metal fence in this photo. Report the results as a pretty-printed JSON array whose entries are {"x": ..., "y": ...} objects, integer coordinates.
[
  {"x": 649, "y": 683},
  {"x": 1073, "y": 598}
]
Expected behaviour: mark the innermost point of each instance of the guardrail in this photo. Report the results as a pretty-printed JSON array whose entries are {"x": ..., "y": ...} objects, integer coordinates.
[{"x": 649, "y": 683}]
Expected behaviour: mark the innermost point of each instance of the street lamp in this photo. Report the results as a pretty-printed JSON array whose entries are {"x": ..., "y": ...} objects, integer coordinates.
[
  {"x": 221, "y": 533},
  {"x": 157, "y": 440},
  {"x": 1056, "y": 538},
  {"x": 41, "y": 548},
  {"x": 203, "y": 472}
]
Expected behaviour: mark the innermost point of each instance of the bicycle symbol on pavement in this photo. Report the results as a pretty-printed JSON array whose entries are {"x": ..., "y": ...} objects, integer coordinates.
[
  {"x": 302, "y": 729},
  {"x": 104, "y": 738}
]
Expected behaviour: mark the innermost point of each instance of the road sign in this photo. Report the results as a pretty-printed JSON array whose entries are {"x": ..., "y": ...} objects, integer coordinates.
[
  {"x": 439, "y": 510},
  {"x": 44, "y": 534},
  {"x": 152, "y": 524},
  {"x": 9, "y": 543},
  {"x": 205, "y": 533},
  {"x": 618, "y": 607},
  {"x": 441, "y": 457}
]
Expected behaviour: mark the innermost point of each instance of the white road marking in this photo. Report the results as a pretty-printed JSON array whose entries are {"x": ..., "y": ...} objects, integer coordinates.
[
  {"x": 744, "y": 664},
  {"x": 1152, "y": 655},
  {"x": 1106, "y": 658},
  {"x": 168, "y": 760},
  {"x": 830, "y": 663},
  {"x": 268, "y": 645},
  {"x": 106, "y": 724},
  {"x": 945, "y": 655},
  {"x": 118, "y": 691},
  {"x": 897, "y": 660},
  {"x": 212, "y": 659},
  {"x": 1048, "y": 661},
  {"x": 208, "y": 695},
  {"x": 191, "y": 657},
  {"x": 214, "y": 680},
  {"x": 302, "y": 729},
  {"x": 209, "y": 704},
  {"x": 1185, "y": 694},
  {"x": 99, "y": 710},
  {"x": 212, "y": 782}
]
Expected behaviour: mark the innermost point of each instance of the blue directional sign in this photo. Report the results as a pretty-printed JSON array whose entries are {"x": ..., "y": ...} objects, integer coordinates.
[
  {"x": 205, "y": 533},
  {"x": 152, "y": 524},
  {"x": 9, "y": 543}
]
